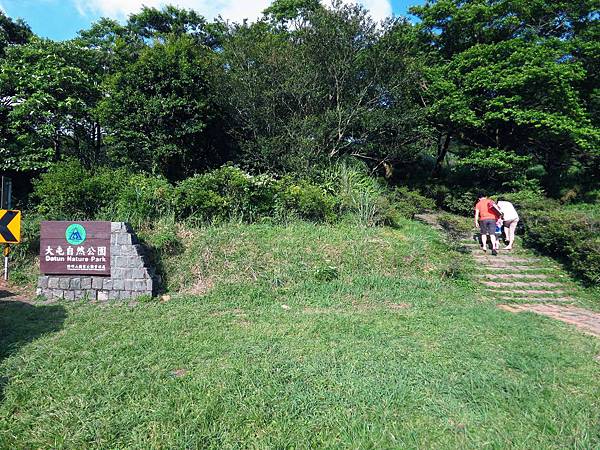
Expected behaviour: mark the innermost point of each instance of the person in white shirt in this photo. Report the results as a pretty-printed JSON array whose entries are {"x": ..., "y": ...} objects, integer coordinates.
[{"x": 511, "y": 219}]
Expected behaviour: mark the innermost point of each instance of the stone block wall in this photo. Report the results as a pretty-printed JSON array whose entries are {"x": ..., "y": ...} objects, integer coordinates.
[{"x": 130, "y": 274}]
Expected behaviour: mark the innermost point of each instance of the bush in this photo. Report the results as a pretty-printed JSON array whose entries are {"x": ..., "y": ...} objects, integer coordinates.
[
  {"x": 530, "y": 200},
  {"x": 140, "y": 199},
  {"x": 409, "y": 202},
  {"x": 568, "y": 235},
  {"x": 360, "y": 195},
  {"x": 462, "y": 203},
  {"x": 68, "y": 191},
  {"x": 224, "y": 194},
  {"x": 304, "y": 200}
]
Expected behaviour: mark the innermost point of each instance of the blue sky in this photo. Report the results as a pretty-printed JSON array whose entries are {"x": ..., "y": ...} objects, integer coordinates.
[{"x": 61, "y": 19}]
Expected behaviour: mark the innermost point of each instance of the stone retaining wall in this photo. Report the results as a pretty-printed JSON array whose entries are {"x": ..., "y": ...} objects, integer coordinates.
[{"x": 130, "y": 274}]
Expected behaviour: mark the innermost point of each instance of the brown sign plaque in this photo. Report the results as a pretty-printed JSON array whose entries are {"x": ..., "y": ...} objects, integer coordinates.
[{"x": 75, "y": 248}]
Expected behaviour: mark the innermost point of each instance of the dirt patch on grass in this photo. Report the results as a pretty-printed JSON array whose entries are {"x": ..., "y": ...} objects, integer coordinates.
[
  {"x": 178, "y": 373},
  {"x": 15, "y": 293},
  {"x": 202, "y": 286},
  {"x": 228, "y": 312},
  {"x": 356, "y": 306},
  {"x": 397, "y": 306}
]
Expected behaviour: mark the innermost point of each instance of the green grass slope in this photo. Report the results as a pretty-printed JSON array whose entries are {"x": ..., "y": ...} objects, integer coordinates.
[{"x": 299, "y": 336}]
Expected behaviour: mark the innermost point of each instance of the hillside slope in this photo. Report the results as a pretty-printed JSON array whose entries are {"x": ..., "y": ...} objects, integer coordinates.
[{"x": 299, "y": 336}]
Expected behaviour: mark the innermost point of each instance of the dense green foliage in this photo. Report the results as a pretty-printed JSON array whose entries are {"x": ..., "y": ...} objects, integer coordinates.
[
  {"x": 568, "y": 233},
  {"x": 12, "y": 32},
  {"x": 69, "y": 190},
  {"x": 476, "y": 94},
  {"x": 515, "y": 78}
]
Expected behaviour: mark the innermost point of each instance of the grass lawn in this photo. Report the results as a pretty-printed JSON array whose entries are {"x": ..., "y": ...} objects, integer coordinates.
[{"x": 299, "y": 336}]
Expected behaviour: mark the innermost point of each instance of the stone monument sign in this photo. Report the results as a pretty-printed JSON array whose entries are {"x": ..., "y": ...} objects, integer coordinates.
[
  {"x": 93, "y": 260},
  {"x": 81, "y": 248}
]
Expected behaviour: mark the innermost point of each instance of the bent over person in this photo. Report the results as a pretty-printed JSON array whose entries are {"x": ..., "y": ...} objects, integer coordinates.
[
  {"x": 486, "y": 215},
  {"x": 511, "y": 219}
]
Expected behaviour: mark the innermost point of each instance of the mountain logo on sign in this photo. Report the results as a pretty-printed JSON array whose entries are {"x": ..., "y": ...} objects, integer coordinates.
[{"x": 75, "y": 234}]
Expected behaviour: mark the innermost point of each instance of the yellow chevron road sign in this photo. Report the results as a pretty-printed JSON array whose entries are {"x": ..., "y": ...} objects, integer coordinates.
[{"x": 10, "y": 226}]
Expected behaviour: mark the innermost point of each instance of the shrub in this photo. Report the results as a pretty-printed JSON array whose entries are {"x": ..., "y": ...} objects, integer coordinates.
[
  {"x": 409, "y": 202},
  {"x": 360, "y": 195},
  {"x": 531, "y": 200},
  {"x": 462, "y": 203},
  {"x": 195, "y": 197},
  {"x": 304, "y": 200},
  {"x": 69, "y": 191},
  {"x": 142, "y": 198},
  {"x": 568, "y": 235},
  {"x": 226, "y": 193}
]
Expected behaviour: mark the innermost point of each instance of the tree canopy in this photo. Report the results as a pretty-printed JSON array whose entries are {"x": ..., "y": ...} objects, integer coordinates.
[{"x": 505, "y": 91}]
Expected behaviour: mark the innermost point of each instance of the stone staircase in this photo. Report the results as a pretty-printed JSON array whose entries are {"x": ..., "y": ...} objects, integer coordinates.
[
  {"x": 527, "y": 283},
  {"x": 519, "y": 276},
  {"x": 520, "y": 281}
]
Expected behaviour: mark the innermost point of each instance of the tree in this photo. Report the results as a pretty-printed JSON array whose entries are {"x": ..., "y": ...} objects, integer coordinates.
[
  {"x": 333, "y": 84},
  {"x": 48, "y": 91},
  {"x": 505, "y": 75},
  {"x": 152, "y": 23},
  {"x": 284, "y": 11},
  {"x": 157, "y": 109},
  {"x": 12, "y": 32}
]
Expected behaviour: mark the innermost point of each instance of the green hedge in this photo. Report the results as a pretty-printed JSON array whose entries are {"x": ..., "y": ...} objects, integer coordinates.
[
  {"x": 573, "y": 237},
  {"x": 569, "y": 233},
  {"x": 71, "y": 192}
]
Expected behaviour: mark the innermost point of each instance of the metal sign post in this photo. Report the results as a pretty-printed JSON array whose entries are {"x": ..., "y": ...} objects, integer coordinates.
[
  {"x": 10, "y": 221},
  {"x": 6, "y": 193},
  {"x": 6, "y": 252}
]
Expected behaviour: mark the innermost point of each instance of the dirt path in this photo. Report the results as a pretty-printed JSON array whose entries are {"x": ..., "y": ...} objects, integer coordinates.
[{"x": 8, "y": 293}]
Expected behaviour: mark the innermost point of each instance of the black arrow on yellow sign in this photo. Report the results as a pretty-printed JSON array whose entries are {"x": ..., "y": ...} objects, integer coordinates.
[{"x": 10, "y": 227}]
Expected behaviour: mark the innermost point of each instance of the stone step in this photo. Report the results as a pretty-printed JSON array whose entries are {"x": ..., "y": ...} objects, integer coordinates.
[
  {"x": 585, "y": 320},
  {"x": 500, "y": 284},
  {"x": 512, "y": 276},
  {"x": 507, "y": 260},
  {"x": 527, "y": 292},
  {"x": 514, "y": 267},
  {"x": 538, "y": 299}
]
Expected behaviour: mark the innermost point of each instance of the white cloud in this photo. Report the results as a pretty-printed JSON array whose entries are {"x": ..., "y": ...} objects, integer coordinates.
[
  {"x": 379, "y": 9},
  {"x": 236, "y": 10}
]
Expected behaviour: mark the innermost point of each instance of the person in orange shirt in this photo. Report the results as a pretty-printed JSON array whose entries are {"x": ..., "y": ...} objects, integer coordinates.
[{"x": 486, "y": 215}]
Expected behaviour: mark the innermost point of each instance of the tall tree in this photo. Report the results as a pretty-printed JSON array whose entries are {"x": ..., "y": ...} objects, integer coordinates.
[
  {"x": 504, "y": 77},
  {"x": 48, "y": 91},
  {"x": 12, "y": 32},
  {"x": 310, "y": 88},
  {"x": 153, "y": 23},
  {"x": 157, "y": 109}
]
